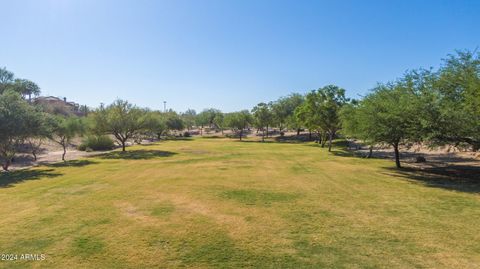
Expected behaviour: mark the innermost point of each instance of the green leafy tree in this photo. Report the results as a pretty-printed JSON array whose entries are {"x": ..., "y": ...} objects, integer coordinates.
[
  {"x": 155, "y": 124},
  {"x": 321, "y": 110},
  {"x": 352, "y": 128},
  {"x": 219, "y": 121},
  {"x": 121, "y": 119},
  {"x": 174, "y": 122},
  {"x": 454, "y": 102},
  {"x": 207, "y": 118},
  {"x": 283, "y": 110},
  {"x": 64, "y": 129},
  {"x": 18, "y": 121},
  {"x": 6, "y": 79},
  {"x": 188, "y": 118},
  {"x": 388, "y": 115},
  {"x": 26, "y": 88},
  {"x": 262, "y": 117},
  {"x": 39, "y": 130},
  {"x": 238, "y": 121}
]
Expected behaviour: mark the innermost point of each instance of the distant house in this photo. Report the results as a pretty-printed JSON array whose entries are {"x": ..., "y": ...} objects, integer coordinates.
[{"x": 59, "y": 105}]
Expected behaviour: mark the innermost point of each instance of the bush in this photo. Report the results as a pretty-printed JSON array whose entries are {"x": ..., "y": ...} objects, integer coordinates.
[
  {"x": 95, "y": 143},
  {"x": 187, "y": 134}
]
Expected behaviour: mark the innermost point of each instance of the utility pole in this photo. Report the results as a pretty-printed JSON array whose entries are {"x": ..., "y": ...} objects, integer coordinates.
[{"x": 164, "y": 106}]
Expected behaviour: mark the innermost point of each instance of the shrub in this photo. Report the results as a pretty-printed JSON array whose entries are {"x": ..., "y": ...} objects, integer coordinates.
[
  {"x": 94, "y": 143},
  {"x": 187, "y": 134}
]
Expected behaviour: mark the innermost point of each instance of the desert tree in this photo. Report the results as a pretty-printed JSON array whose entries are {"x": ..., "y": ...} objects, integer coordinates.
[
  {"x": 283, "y": 109},
  {"x": 6, "y": 79},
  {"x": 63, "y": 129},
  {"x": 219, "y": 121},
  {"x": 262, "y": 117},
  {"x": 351, "y": 127},
  {"x": 207, "y": 118},
  {"x": 155, "y": 124},
  {"x": 304, "y": 117},
  {"x": 454, "y": 102},
  {"x": 174, "y": 122},
  {"x": 331, "y": 98},
  {"x": 121, "y": 119},
  {"x": 321, "y": 111},
  {"x": 39, "y": 131},
  {"x": 18, "y": 121},
  {"x": 238, "y": 121},
  {"x": 309, "y": 116},
  {"x": 26, "y": 88},
  {"x": 388, "y": 115},
  {"x": 188, "y": 118}
]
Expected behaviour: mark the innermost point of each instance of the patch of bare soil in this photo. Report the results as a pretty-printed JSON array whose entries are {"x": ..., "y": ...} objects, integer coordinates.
[
  {"x": 438, "y": 157},
  {"x": 50, "y": 152}
]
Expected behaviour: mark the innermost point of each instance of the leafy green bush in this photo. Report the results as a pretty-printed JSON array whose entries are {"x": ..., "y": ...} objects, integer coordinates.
[{"x": 95, "y": 143}]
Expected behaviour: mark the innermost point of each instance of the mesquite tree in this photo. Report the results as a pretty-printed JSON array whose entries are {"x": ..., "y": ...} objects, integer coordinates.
[
  {"x": 64, "y": 129},
  {"x": 18, "y": 121},
  {"x": 121, "y": 119},
  {"x": 238, "y": 121},
  {"x": 263, "y": 117}
]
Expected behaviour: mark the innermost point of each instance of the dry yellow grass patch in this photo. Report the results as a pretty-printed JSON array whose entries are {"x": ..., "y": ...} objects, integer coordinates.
[{"x": 207, "y": 203}]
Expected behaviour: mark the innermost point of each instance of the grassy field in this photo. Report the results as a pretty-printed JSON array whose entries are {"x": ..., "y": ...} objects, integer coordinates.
[{"x": 220, "y": 203}]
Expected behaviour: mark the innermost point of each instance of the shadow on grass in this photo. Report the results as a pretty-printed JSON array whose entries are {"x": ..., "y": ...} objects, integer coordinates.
[
  {"x": 178, "y": 138},
  {"x": 72, "y": 163},
  {"x": 302, "y": 138},
  {"x": 454, "y": 177},
  {"x": 212, "y": 137},
  {"x": 252, "y": 141},
  {"x": 140, "y": 154},
  {"x": 7, "y": 179}
]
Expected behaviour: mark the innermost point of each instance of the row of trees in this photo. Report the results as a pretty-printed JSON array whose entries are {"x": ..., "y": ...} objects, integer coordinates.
[
  {"x": 24, "y": 87},
  {"x": 424, "y": 106},
  {"x": 22, "y": 123},
  {"x": 25, "y": 124}
]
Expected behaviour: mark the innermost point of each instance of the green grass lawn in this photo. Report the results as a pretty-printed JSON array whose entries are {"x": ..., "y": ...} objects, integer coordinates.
[{"x": 220, "y": 203}]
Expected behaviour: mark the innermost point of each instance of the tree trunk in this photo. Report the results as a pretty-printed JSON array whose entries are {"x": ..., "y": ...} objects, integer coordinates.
[
  {"x": 34, "y": 155},
  {"x": 123, "y": 145},
  {"x": 64, "y": 151},
  {"x": 263, "y": 135},
  {"x": 6, "y": 164},
  {"x": 309, "y": 135},
  {"x": 330, "y": 138},
  {"x": 241, "y": 132},
  {"x": 267, "y": 131},
  {"x": 324, "y": 140},
  {"x": 370, "y": 152},
  {"x": 298, "y": 131},
  {"x": 397, "y": 155}
]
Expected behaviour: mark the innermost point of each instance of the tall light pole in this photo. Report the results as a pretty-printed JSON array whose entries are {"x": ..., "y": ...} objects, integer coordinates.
[{"x": 164, "y": 106}]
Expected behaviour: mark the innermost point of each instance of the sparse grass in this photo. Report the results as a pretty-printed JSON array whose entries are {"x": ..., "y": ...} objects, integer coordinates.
[{"x": 219, "y": 203}]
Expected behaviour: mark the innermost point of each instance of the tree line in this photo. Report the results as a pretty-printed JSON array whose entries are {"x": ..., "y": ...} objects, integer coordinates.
[{"x": 433, "y": 107}]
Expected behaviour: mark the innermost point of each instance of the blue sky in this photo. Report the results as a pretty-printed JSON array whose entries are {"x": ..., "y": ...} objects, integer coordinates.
[{"x": 225, "y": 54}]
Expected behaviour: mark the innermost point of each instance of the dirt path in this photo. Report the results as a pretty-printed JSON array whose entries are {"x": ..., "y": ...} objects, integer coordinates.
[{"x": 24, "y": 160}]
